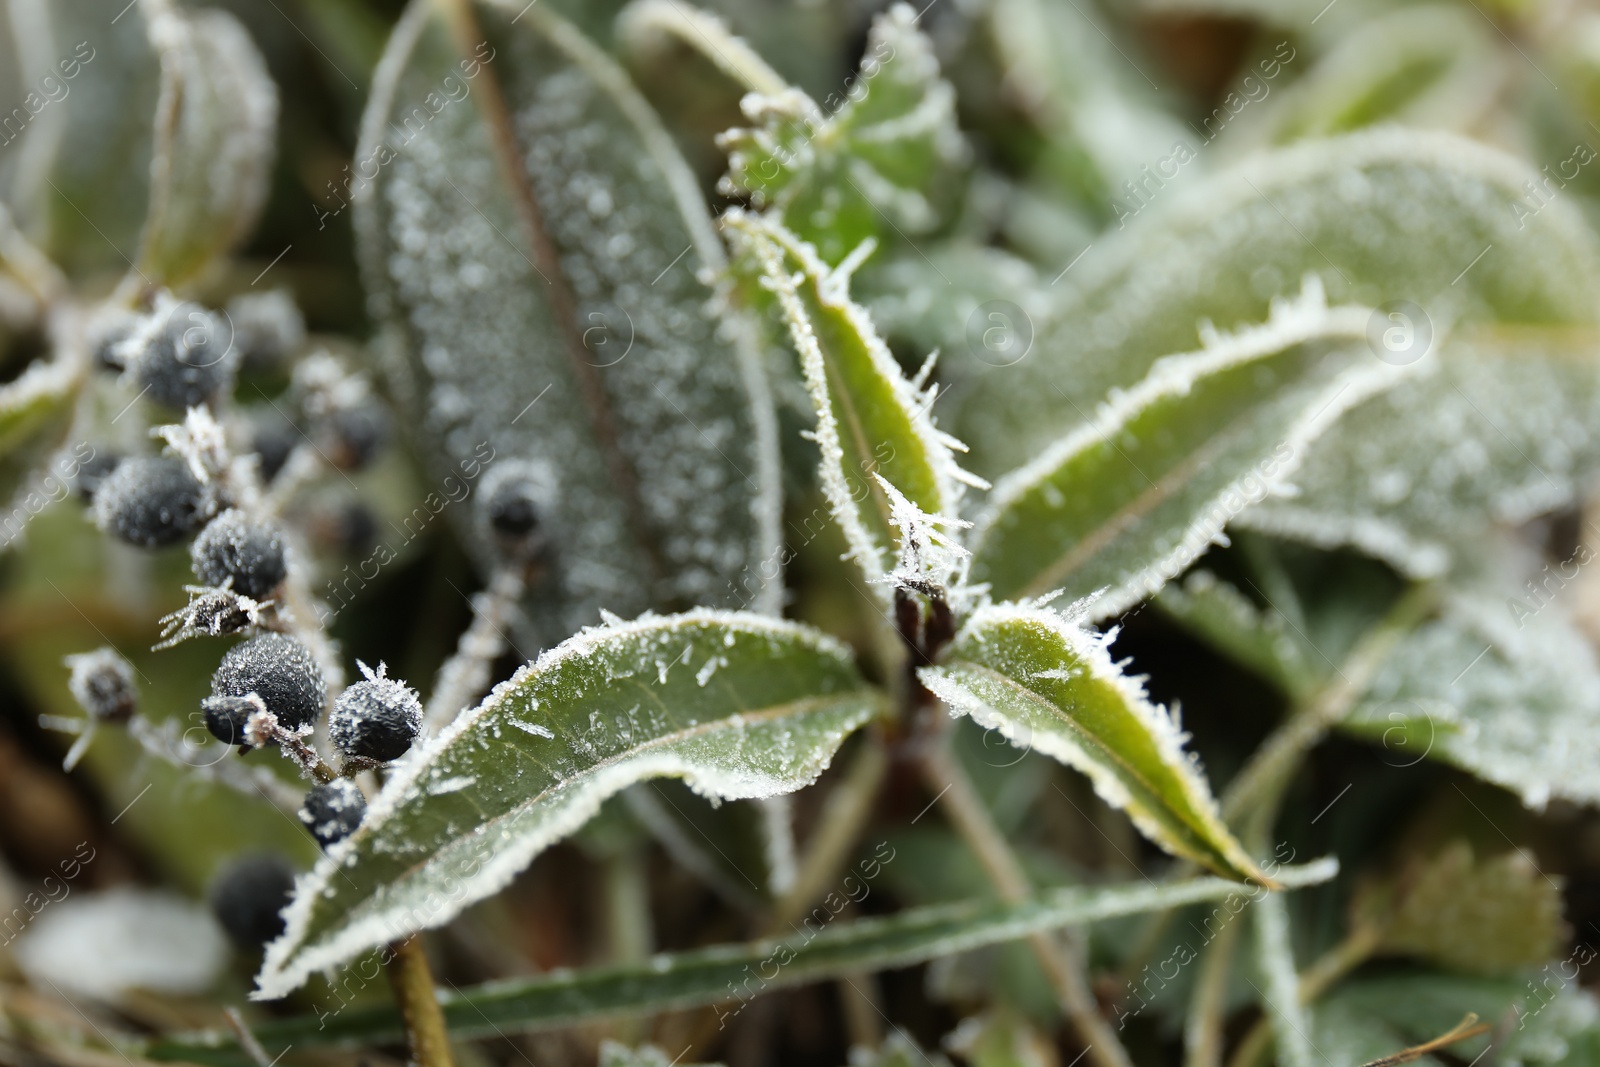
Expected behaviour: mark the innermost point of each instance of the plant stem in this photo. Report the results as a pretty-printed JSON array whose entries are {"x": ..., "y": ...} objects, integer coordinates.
[
  {"x": 843, "y": 816},
  {"x": 419, "y": 1004},
  {"x": 465, "y": 675},
  {"x": 965, "y": 809},
  {"x": 1202, "y": 1030},
  {"x": 1315, "y": 980},
  {"x": 1260, "y": 784}
]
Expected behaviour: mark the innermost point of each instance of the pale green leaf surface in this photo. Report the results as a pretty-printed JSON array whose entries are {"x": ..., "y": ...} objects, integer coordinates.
[
  {"x": 1378, "y": 216},
  {"x": 215, "y": 130},
  {"x": 710, "y": 975},
  {"x": 737, "y": 705},
  {"x": 1126, "y": 502},
  {"x": 1511, "y": 908},
  {"x": 862, "y": 164},
  {"x": 870, "y": 421},
  {"x": 1505, "y": 426},
  {"x": 1497, "y": 687},
  {"x": 1429, "y": 65},
  {"x": 642, "y": 415},
  {"x": 81, "y": 180},
  {"x": 1047, "y": 683}
]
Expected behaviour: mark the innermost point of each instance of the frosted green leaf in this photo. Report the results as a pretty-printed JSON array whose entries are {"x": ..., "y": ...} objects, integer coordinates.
[
  {"x": 1557, "y": 1021},
  {"x": 819, "y": 951},
  {"x": 1505, "y": 688},
  {"x": 1431, "y": 65},
  {"x": 80, "y": 183},
  {"x": 1502, "y": 429},
  {"x": 871, "y": 423},
  {"x": 1000, "y": 1038},
  {"x": 215, "y": 128},
  {"x": 1381, "y": 216},
  {"x": 1048, "y": 684},
  {"x": 897, "y": 1050},
  {"x": 35, "y": 415},
  {"x": 1483, "y": 915},
  {"x": 1127, "y": 501},
  {"x": 737, "y": 705},
  {"x": 532, "y": 242},
  {"x": 861, "y": 164}
]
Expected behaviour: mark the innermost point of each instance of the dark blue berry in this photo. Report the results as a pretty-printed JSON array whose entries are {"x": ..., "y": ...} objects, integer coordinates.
[
  {"x": 102, "y": 684},
  {"x": 333, "y": 810},
  {"x": 513, "y": 511},
  {"x": 226, "y": 718},
  {"x": 185, "y": 358},
  {"x": 92, "y": 472},
  {"x": 376, "y": 719},
  {"x": 356, "y": 433},
  {"x": 150, "y": 501},
  {"x": 247, "y": 551},
  {"x": 248, "y": 898},
  {"x": 267, "y": 328},
  {"x": 278, "y": 669}
]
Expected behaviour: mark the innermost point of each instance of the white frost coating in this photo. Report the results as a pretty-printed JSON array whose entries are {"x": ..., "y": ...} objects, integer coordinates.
[
  {"x": 103, "y": 945},
  {"x": 927, "y": 554},
  {"x": 566, "y": 805},
  {"x": 1291, "y": 322},
  {"x": 773, "y": 245},
  {"x": 1089, "y": 652}
]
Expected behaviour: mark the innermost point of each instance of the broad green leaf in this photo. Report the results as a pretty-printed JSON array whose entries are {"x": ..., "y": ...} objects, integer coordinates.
[
  {"x": 1047, "y": 683},
  {"x": 1504, "y": 428},
  {"x": 531, "y": 240},
  {"x": 1126, "y": 502},
  {"x": 865, "y": 163},
  {"x": 1556, "y": 1020},
  {"x": 871, "y": 422},
  {"x": 80, "y": 187},
  {"x": 1380, "y": 216},
  {"x": 1489, "y": 915},
  {"x": 1503, "y": 687},
  {"x": 36, "y": 412},
  {"x": 820, "y": 951},
  {"x": 737, "y": 705},
  {"x": 1431, "y": 65},
  {"x": 215, "y": 127}
]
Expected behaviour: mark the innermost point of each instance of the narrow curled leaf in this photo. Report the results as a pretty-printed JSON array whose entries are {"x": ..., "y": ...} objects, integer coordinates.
[
  {"x": 1048, "y": 684},
  {"x": 1127, "y": 501},
  {"x": 835, "y": 173},
  {"x": 821, "y": 950},
  {"x": 531, "y": 239},
  {"x": 737, "y": 705},
  {"x": 1380, "y": 216},
  {"x": 215, "y": 125},
  {"x": 871, "y": 422},
  {"x": 1280, "y": 997}
]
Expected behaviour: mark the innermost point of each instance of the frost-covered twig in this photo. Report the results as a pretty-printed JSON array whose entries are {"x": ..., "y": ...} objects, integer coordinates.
[
  {"x": 165, "y": 742},
  {"x": 465, "y": 675}
]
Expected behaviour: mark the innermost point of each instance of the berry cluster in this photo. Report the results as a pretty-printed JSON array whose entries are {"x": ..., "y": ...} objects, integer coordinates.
[{"x": 221, "y": 486}]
